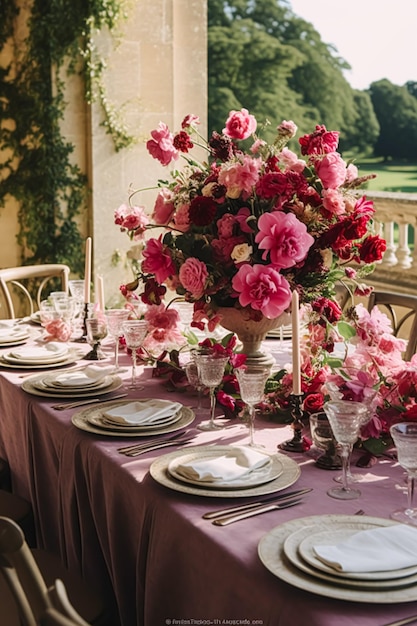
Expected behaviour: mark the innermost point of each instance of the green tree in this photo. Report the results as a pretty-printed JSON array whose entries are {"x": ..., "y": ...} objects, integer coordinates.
[
  {"x": 396, "y": 110},
  {"x": 264, "y": 58},
  {"x": 362, "y": 135}
]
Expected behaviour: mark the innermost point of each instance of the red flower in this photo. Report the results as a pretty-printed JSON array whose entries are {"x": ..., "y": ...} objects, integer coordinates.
[
  {"x": 313, "y": 402},
  {"x": 182, "y": 141},
  {"x": 321, "y": 141},
  {"x": 328, "y": 309},
  {"x": 202, "y": 211},
  {"x": 372, "y": 249},
  {"x": 153, "y": 292}
]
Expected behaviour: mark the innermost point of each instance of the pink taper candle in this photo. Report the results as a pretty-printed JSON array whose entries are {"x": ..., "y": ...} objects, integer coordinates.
[
  {"x": 296, "y": 359},
  {"x": 87, "y": 271}
]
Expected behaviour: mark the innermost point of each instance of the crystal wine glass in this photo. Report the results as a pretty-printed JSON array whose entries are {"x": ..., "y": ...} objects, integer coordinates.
[
  {"x": 96, "y": 331},
  {"x": 324, "y": 440},
  {"x": 115, "y": 319},
  {"x": 193, "y": 377},
  {"x": 252, "y": 382},
  {"x": 404, "y": 435},
  {"x": 211, "y": 370},
  {"x": 346, "y": 418},
  {"x": 134, "y": 332}
]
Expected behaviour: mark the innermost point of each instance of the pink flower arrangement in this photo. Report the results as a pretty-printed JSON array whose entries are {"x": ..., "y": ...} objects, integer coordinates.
[{"x": 253, "y": 222}]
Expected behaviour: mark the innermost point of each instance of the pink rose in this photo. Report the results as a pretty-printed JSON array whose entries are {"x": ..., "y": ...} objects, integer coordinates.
[
  {"x": 193, "y": 275},
  {"x": 131, "y": 218},
  {"x": 351, "y": 173},
  {"x": 284, "y": 237},
  {"x": 239, "y": 177},
  {"x": 290, "y": 161},
  {"x": 240, "y": 124},
  {"x": 164, "y": 207},
  {"x": 287, "y": 128},
  {"x": 157, "y": 260},
  {"x": 333, "y": 201},
  {"x": 161, "y": 145},
  {"x": 182, "y": 218},
  {"x": 331, "y": 170},
  {"x": 262, "y": 288}
]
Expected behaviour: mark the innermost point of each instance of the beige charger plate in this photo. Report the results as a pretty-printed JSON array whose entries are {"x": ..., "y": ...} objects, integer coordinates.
[
  {"x": 29, "y": 386},
  {"x": 271, "y": 553},
  {"x": 253, "y": 479},
  {"x": 159, "y": 472},
  {"x": 83, "y": 420},
  {"x": 72, "y": 358}
]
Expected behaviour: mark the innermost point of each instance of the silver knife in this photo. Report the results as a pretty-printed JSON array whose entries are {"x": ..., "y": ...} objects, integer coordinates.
[
  {"x": 230, "y": 519},
  {"x": 158, "y": 446},
  {"x": 253, "y": 505}
]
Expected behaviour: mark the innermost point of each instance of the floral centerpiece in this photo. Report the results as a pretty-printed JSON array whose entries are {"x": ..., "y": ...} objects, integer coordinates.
[{"x": 251, "y": 223}]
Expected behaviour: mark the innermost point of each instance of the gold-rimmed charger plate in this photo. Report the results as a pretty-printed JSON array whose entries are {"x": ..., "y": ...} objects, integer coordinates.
[
  {"x": 272, "y": 555},
  {"x": 258, "y": 477},
  {"x": 102, "y": 422},
  {"x": 318, "y": 536},
  {"x": 83, "y": 420},
  {"x": 43, "y": 382},
  {"x": 159, "y": 472},
  {"x": 29, "y": 386}
]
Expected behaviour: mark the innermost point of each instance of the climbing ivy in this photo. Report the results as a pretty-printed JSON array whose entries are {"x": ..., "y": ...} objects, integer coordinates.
[{"x": 35, "y": 166}]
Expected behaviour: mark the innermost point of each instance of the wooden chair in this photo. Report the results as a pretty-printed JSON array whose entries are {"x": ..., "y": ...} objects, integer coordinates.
[
  {"x": 14, "y": 283},
  {"x": 37, "y": 581},
  {"x": 401, "y": 309}
]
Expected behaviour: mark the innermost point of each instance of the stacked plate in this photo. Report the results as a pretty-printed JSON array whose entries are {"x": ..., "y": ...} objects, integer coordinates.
[
  {"x": 282, "y": 332},
  {"x": 140, "y": 418},
  {"x": 38, "y": 356},
  {"x": 70, "y": 385},
  {"x": 288, "y": 551},
  {"x": 11, "y": 334},
  {"x": 224, "y": 471}
]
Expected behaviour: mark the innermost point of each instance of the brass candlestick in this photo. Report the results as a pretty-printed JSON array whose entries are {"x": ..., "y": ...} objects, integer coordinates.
[{"x": 295, "y": 444}]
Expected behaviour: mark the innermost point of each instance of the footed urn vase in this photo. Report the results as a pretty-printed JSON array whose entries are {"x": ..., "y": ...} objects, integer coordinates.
[{"x": 251, "y": 332}]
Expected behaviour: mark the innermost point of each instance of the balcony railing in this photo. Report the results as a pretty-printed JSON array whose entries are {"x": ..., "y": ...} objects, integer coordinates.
[{"x": 396, "y": 221}]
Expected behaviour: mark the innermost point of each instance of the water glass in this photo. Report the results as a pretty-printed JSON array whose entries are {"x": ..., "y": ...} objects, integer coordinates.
[
  {"x": 134, "y": 332},
  {"x": 115, "y": 319},
  {"x": 211, "y": 370},
  {"x": 346, "y": 418},
  {"x": 96, "y": 331},
  {"x": 404, "y": 436},
  {"x": 252, "y": 382}
]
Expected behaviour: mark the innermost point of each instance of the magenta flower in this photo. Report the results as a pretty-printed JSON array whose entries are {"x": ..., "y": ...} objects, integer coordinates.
[
  {"x": 240, "y": 124},
  {"x": 262, "y": 288},
  {"x": 157, "y": 260},
  {"x": 331, "y": 170},
  {"x": 161, "y": 146},
  {"x": 164, "y": 207},
  {"x": 284, "y": 238}
]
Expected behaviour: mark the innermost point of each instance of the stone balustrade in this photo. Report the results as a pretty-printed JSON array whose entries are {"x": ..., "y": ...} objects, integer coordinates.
[{"x": 396, "y": 221}]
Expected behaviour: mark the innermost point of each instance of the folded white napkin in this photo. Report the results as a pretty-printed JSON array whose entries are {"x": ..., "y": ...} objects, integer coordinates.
[
  {"x": 37, "y": 353},
  {"x": 90, "y": 375},
  {"x": 138, "y": 413},
  {"x": 237, "y": 463},
  {"x": 374, "y": 550},
  {"x": 12, "y": 332}
]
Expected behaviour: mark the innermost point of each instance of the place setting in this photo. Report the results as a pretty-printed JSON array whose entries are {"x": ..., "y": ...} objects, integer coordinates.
[
  {"x": 39, "y": 356},
  {"x": 224, "y": 471},
  {"x": 11, "y": 334},
  {"x": 347, "y": 557},
  {"x": 82, "y": 383},
  {"x": 140, "y": 418}
]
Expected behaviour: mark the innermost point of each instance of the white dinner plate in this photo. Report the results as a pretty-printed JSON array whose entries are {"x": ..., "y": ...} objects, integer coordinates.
[
  {"x": 159, "y": 472},
  {"x": 320, "y": 537},
  {"x": 83, "y": 420},
  {"x": 149, "y": 412},
  {"x": 103, "y": 422},
  {"x": 70, "y": 360},
  {"x": 44, "y": 361},
  {"x": 272, "y": 555},
  {"x": 45, "y": 382},
  {"x": 257, "y": 477},
  {"x": 30, "y": 386}
]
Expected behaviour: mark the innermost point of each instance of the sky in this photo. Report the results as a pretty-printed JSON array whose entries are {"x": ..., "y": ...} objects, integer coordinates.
[{"x": 378, "y": 38}]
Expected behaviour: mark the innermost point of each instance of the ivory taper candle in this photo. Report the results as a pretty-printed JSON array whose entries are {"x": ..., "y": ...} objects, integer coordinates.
[
  {"x": 87, "y": 271},
  {"x": 296, "y": 358},
  {"x": 100, "y": 292}
]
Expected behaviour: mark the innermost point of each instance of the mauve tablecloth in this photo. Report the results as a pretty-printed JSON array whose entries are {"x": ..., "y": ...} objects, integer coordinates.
[{"x": 147, "y": 547}]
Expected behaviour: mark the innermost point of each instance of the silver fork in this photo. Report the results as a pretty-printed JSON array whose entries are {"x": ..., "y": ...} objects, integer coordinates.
[{"x": 150, "y": 447}]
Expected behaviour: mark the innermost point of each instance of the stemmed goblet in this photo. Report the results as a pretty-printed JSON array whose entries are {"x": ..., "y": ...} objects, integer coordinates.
[
  {"x": 193, "y": 377},
  {"x": 96, "y": 331},
  {"x": 346, "y": 418},
  {"x": 211, "y": 370},
  {"x": 134, "y": 332},
  {"x": 404, "y": 436},
  {"x": 252, "y": 382},
  {"x": 115, "y": 319}
]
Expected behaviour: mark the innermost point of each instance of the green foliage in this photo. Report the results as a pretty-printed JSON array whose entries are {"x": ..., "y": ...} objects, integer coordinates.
[{"x": 37, "y": 169}]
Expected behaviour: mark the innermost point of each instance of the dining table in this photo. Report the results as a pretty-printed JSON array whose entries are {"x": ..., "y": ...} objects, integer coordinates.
[{"x": 141, "y": 538}]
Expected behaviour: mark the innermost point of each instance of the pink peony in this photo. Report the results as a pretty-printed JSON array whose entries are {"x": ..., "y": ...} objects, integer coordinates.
[
  {"x": 290, "y": 161},
  {"x": 287, "y": 128},
  {"x": 157, "y": 260},
  {"x": 262, "y": 288},
  {"x": 239, "y": 177},
  {"x": 331, "y": 170},
  {"x": 131, "y": 218},
  {"x": 161, "y": 145},
  {"x": 333, "y": 201},
  {"x": 182, "y": 218},
  {"x": 240, "y": 124},
  {"x": 193, "y": 275},
  {"x": 284, "y": 237}
]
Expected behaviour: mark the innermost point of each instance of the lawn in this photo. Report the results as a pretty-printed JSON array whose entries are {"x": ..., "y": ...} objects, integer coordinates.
[{"x": 397, "y": 176}]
